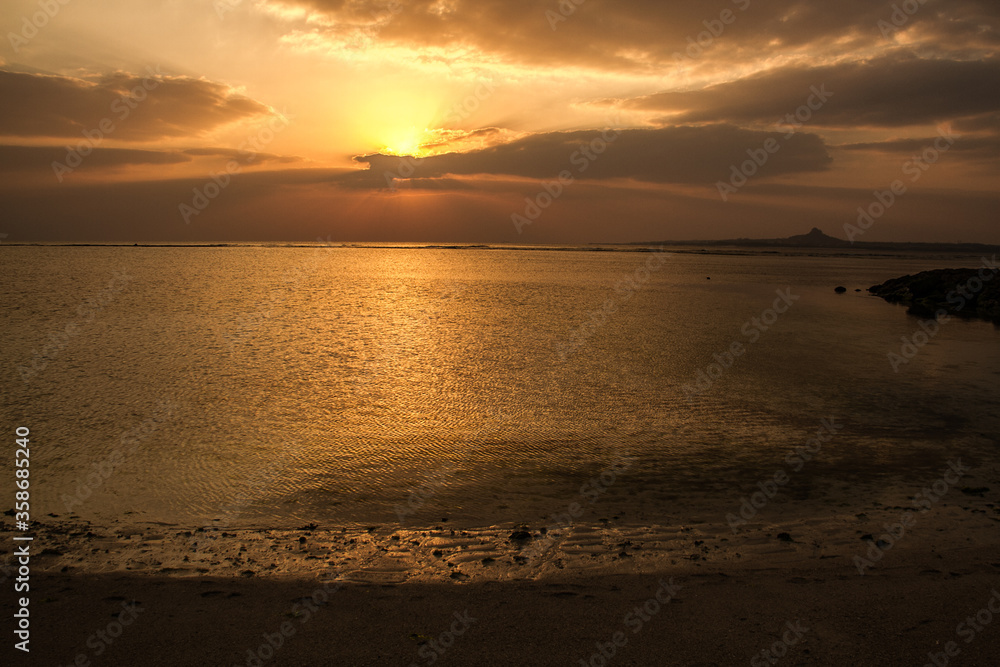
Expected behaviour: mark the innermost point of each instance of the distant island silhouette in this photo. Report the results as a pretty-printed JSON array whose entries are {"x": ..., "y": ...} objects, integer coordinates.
[{"x": 817, "y": 239}]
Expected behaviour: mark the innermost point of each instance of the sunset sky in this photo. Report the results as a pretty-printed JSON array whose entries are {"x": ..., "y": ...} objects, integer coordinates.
[{"x": 620, "y": 121}]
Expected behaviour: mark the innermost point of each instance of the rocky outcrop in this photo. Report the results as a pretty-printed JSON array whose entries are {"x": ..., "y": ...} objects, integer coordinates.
[{"x": 962, "y": 292}]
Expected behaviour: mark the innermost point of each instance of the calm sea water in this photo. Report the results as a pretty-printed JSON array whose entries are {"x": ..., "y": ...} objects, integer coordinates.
[{"x": 279, "y": 386}]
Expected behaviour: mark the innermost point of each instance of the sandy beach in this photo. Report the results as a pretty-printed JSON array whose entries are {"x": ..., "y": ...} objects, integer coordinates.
[{"x": 835, "y": 586}]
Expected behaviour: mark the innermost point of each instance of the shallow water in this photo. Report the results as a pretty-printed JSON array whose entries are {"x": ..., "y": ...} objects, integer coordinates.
[{"x": 282, "y": 386}]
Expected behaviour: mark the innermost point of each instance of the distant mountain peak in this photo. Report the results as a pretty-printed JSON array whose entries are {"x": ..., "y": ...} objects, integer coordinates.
[{"x": 815, "y": 238}]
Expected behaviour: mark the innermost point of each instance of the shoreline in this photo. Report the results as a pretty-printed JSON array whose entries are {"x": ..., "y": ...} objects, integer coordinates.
[
  {"x": 381, "y": 594},
  {"x": 686, "y": 592},
  {"x": 738, "y": 533}
]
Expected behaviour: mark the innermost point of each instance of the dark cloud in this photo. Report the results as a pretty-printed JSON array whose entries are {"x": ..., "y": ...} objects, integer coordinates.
[
  {"x": 630, "y": 34},
  {"x": 435, "y": 184},
  {"x": 243, "y": 156},
  {"x": 29, "y": 160},
  {"x": 987, "y": 122},
  {"x": 891, "y": 91},
  {"x": 255, "y": 207},
  {"x": 41, "y": 158},
  {"x": 142, "y": 107},
  {"x": 149, "y": 210},
  {"x": 971, "y": 146},
  {"x": 665, "y": 155}
]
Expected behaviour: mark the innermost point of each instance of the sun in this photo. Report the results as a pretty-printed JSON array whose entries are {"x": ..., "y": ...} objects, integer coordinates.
[
  {"x": 394, "y": 121},
  {"x": 405, "y": 141}
]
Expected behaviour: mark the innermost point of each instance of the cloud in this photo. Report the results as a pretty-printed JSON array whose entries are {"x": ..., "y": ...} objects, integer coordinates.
[
  {"x": 462, "y": 140},
  {"x": 987, "y": 122},
  {"x": 635, "y": 34},
  {"x": 243, "y": 156},
  {"x": 255, "y": 207},
  {"x": 891, "y": 91},
  {"x": 664, "y": 155},
  {"x": 35, "y": 160},
  {"x": 25, "y": 159},
  {"x": 987, "y": 145},
  {"x": 137, "y": 107}
]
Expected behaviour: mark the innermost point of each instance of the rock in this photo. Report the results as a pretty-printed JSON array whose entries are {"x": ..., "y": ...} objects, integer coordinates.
[
  {"x": 961, "y": 292},
  {"x": 784, "y": 537},
  {"x": 840, "y": 289},
  {"x": 520, "y": 535}
]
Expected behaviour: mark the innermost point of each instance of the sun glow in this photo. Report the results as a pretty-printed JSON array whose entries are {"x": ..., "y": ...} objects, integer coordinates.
[
  {"x": 396, "y": 121},
  {"x": 405, "y": 142}
]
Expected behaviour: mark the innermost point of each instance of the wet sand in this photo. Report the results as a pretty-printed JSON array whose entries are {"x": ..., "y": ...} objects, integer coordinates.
[
  {"x": 787, "y": 582},
  {"x": 892, "y": 618}
]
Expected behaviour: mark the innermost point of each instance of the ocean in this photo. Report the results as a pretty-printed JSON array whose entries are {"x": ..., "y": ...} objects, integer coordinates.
[{"x": 281, "y": 386}]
